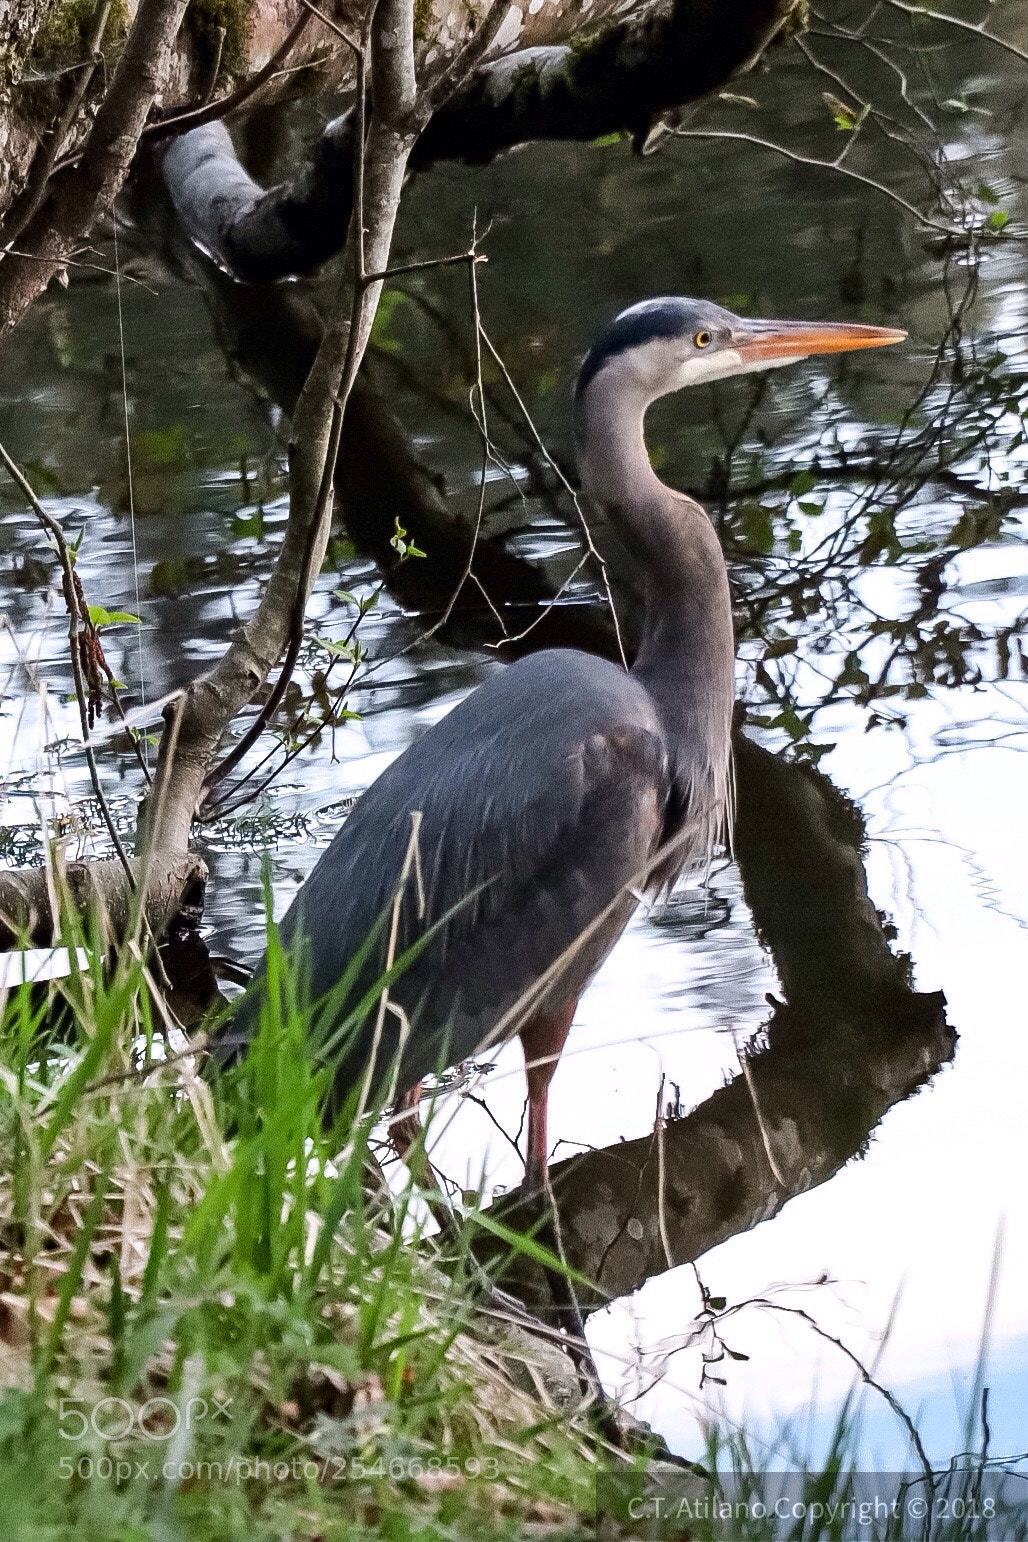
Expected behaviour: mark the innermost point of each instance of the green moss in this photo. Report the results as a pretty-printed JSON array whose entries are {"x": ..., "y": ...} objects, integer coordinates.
[
  {"x": 64, "y": 35},
  {"x": 422, "y": 20},
  {"x": 208, "y": 18}
]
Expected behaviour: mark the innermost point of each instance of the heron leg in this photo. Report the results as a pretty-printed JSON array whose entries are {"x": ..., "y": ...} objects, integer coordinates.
[
  {"x": 407, "y": 1138},
  {"x": 542, "y": 1040},
  {"x": 405, "y": 1128}
]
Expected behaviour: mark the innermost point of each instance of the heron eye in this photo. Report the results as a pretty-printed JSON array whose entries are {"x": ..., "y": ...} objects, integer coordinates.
[{"x": 702, "y": 339}]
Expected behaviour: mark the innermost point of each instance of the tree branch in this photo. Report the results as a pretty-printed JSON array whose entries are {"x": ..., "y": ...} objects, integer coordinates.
[
  {"x": 172, "y": 885},
  {"x": 620, "y": 80},
  {"x": 211, "y": 112},
  {"x": 79, "y": 195},
  {"x": 212, "y": 702}
]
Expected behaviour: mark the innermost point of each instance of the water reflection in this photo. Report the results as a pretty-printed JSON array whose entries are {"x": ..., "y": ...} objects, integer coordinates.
[
  {"x": 878, "y": 597},
  {"x": 854, "y": 1040}
]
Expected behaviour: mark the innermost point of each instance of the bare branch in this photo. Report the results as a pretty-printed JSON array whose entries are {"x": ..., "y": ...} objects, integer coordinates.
[
  {"x": 835, "y": 165},
  {"x": 333, "y": 26},
  {"x": 210, "y": 112},
  {"x": 212, "y": 701},
  {"x": 976, "y": 28},
  {"x": 76, "y": 624}
]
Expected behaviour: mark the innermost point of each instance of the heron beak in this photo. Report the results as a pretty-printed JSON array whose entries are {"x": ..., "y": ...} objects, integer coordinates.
[{"x": 768, "y": 341}]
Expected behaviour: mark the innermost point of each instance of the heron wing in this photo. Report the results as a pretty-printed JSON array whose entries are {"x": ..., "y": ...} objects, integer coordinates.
[{"x": 540, "y": 799}]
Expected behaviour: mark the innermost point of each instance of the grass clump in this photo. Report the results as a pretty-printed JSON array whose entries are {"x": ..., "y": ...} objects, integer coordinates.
[{"x": 226, "y": 1337}]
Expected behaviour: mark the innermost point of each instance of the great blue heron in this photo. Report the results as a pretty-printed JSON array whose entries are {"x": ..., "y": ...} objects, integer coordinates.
[{"x": 495, "y": 863}]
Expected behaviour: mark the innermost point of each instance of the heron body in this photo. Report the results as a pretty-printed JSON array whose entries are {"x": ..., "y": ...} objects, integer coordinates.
[{"x": 500, "y": 857}]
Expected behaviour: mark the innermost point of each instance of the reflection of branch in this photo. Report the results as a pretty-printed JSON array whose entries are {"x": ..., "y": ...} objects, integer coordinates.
[
  {"x": 976, "y": 28},
  {"x": 854, "y": 1040}
]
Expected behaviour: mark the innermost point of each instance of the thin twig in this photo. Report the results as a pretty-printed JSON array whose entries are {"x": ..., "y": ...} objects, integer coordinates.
[
  {"x": 75, "y": 625},
  {"x": 976, "y": 28},
  {"x": 812, "y": 160},
  {"x": 471, "y": 255},
  {"x": 210, "y": 112},
  {"x": 333, "y": 26},
  {"x": 591, "y": 548},
  {"x": 88, "y": 267}
]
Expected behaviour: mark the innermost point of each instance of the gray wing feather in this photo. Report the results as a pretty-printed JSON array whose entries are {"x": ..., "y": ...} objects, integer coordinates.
[{"x": 541, "y": 798}]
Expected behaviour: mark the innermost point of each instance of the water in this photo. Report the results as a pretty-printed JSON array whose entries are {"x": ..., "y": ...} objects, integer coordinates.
[{"x": 907, "y": 1236}]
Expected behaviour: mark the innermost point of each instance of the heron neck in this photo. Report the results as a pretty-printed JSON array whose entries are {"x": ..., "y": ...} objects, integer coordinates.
[
  {"x": 686, "y": 651},
  {"x": 612, "y": 460}
]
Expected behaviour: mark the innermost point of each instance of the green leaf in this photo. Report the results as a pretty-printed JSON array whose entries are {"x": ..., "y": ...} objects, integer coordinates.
[
  {"x": 398, "y": 541},
  {"x": 802, "y": 483},
  {"x": 99, "y": 616},
  {"x": 997, "y": 219}
]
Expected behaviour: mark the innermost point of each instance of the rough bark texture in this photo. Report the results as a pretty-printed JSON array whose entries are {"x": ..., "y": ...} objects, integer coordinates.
[
  {"x": 77, "y": 196},
  {"x": 174, "y": 884}
]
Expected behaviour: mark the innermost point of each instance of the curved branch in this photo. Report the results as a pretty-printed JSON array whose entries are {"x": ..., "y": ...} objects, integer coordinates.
[
  {"x": 620, "y": 80},
  {"x": 257, "y": 233}
]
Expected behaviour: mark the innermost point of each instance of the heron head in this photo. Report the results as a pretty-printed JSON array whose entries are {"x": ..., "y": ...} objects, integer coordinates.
[{"x": 662, "y": 345}]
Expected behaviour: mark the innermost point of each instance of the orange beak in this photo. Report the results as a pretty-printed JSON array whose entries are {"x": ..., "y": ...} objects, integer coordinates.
[{"x": 765, "y": 341}]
